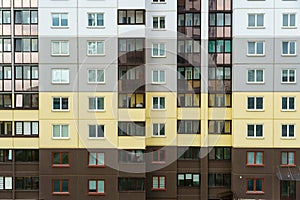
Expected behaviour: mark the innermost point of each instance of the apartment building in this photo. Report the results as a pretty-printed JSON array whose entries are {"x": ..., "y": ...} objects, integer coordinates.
[{"x": 154, "y": 99}]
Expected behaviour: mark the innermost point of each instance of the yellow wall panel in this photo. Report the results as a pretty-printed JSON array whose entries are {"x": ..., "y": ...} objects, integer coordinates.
[
  {"x": 26, "y": 143},
  {"x": 188, "y": 113}
]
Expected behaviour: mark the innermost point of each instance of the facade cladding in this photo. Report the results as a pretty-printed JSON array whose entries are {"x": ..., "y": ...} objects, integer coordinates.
[{"x": 149, "y": 100}]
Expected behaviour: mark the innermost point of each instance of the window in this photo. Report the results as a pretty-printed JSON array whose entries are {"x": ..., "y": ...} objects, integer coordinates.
[
  {"x": 26, "y": 17},
  {"x": 158, "y": 183},
  {"x": 288, "y": 130},
  {"x": 60, "y": 75},
  {"x": 5, "y": 155},
  {"x": 219, "y": 180},
  {"x": 188, "y": 180},
  {"x": 27, "y": 155},
  {"x": 131, "y": 156},
  {"x": 158, "y": 156},
  {"x": 27, "y": 183},
  {"x": 95, "y": 48},
  {"x": 27, "y": 128},
  {"x": 288, "y": 158},
  {"x": 96, "y": 159},
  {"x": 288, "y": 103},
  {"x": 159, "y": 23},
  {"x": 96, "y": 103},
  {"x": 188, "y": 73},
  {"x": 5, "y": 17},
  {"x": 60, "y": 186},
  {"x": 158, "y": 76},
  {"x": 219, "y": 19},
  {"x": 158, "y": 103},
  {"x": 220, "y": 153},
  {"x": 96, "y": 131},
  {"x": 96, "y": 76},
  {"x": 255, "y": 76},
  {"x": 288, "y": 76},
  {"x": 255, "y": 185},
  {"x": 158, "y": 1},
  {"x": 5, "y": 45},
  {"x": 131, "y": 17},
  {"x": 289, "y": 20},
  {"x": 254, "y": 130},
  {"x": 60, "y": 159},
  {"x": 188, "y": 46},
  {"x": 255, "y": 158},
  {"x": 188, "y": 127},
  {"x": 188, "y": 153},
  {"x": 219, "y": 46},
  {"x": 131, "y": 184},
  {"x": 289, "y": 48},
  {"x": 5, "y": 78},
  {"x": 5, "y": 128},
  {"x": 255, "y": 103},
  {"x": 60, "y": 19},
  {"x": 96, "y": 187},
  {"x": 60, "y": 131},
  {"x": 219, "y": 127},
  {"x": 26, "y": 78},
  {"x": 5, "y": 101},
  {"x": 256, "y": 48},
  {"x": 60, "y": 103},
  {"x": 27, "y": 101},
  {"x": 131, "y": 129},
  {"x": 5, "y": 183},
  {"x": 158, "y": 129},
  {"x": 255, "y": 20},
  {"x": 159, "y": 50},
  {"x": 60, "y": 48},
  {"x": 26, "y": 45},
  {"x": 95, "y": 19}
]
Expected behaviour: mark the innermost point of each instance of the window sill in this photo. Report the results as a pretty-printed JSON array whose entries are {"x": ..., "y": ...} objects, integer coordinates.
[
  {"x": 61, "y": 166},
  {"x": 60, "y": 110},
  {"x": 286, "y": 110},
  {"x": 60, "y": 83},
  {"x": 153, "y": 109},
  {"x": 60, "y": 138},
  {"x": 288, "y": 83},
  {"x": 255, "y": 138},
  {"x": 96, "y": 138},
  {"x": 158, "y": 136},
  {"x": 158, "y": 56},
  {"x": 95, "y": 27},
  {"x": 162, "y": 29},
  {"x": 96, "y": 194},
  {"x": 288, "y": 27},
  {"x": 158, "y": 83},
  {"x": 59, "y": 27},
  {"x": 256, "y": 27},
  {"x": 158, "y": 190},
  {"x": 253, "y": 192},
  {"x": 256, "y": 55},
  {"x": 60, "y": 193},
  {"x": 255, "y": 110},
  {"x": 60, "y": 55},
  {"x": 159, "y": 162},
  {"x": 288, "y": 165},
  {"x": 255, "y": 165},
  {"x": 96, "y": 166},
  {"x": 158, "y": 2},
  {"x": 288, "y": 138},
  {"x": 256, "y": 83},
  {"x": 95, "y": 55},
  {"x": 100, "y": 111},
  {"x": 96, "y": 83},
  {"x": 288, "y": 55}
]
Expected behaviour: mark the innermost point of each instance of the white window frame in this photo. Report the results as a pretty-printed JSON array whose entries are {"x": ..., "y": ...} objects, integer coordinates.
[
  {"x": 255, "y": 131},
  {"x": 287, "y": 131},
  {"x": 289, "y": 48},
  {"x": 159, "y": 128},
  {"x": 255, "y": 48},
  {"x": 61, "y": 72},
  {"x": 158, "y": 105},
  {"x": 255, "y": 103},
  {"x": 60, "y": 19},
  {"x": 159, "y": 81},
  {"x": 289, "y": 20},
  {"x": 95, "y": 44},
  {"x": 96, "y": 25},
  {"x": 96, "y": 133},
  {"x": 256, "y": 20},
  {"x": 60, "y": 131},
  {"x": 96, "y": 109},
  {"x": 158, "y": 23},
  {"x": 60, "y": 42},
  {"x": 96, "y": 77},
  {"x": 160, "y": 46},
  {"x": 60, "y": 102},
  {"x": 288, "y": 77},
  {"x": 159, "y": 1},
  {"x": 255, "y": 76},
  {"x": 288, "y": 104}
]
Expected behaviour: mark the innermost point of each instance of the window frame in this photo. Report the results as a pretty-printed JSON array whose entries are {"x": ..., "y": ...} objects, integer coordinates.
[
  {"x": 96, "y": 131},
  {"x": 96, "y": 21},
  {"x": 159, "y": 188},
  {"x": 159, "y": 25},
  {"x": 59, "y": 19},
  {"x": 255, "y": 76},
  {"x": 255, "y": 26},
  {"x": 159, "y": 103},
  {"x": 60, "y": 104},
  {"x": 96, "y": 99},
  {"x": 61, "y": 164},
  {"x": 255, "y": 131},
  {"x": 161, "y": 128},
  {"x": 159, "y": 81},
  {"x": 254, "y": 186},
  {"x": 60, "y": 185},
  {"x": 60, "y": 42},
  {"x": 255, "y": 48},
  {"x": 95, "y": 43},
  {"x": 185, "y": 180},
  {"x": 289, "y": 21},
  {"x": 287, "y": 159},
  {"x": 158, "y": 152},
  {"x": 5, "y": 187},
  {"x": 288, "y": 76},
  {"x": 97, "y": 165},
  {"x": 97, "y": 186},
  {"x": 60, "y": 71},
  {"x": 288, "y": 103},
  {"x": 255, "y": 98},
  {"x": 135, "y": 14},
  {"x": 60, "y": 132},
  {"x": 96, "y": 78},
  {"x": 31, "y": 129},
  {"x": 289, "y": 48},
  {"x": 159, "y": 45},
  {"x": 288, "y": 125},
  {"x": 255, "y": 164}
]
